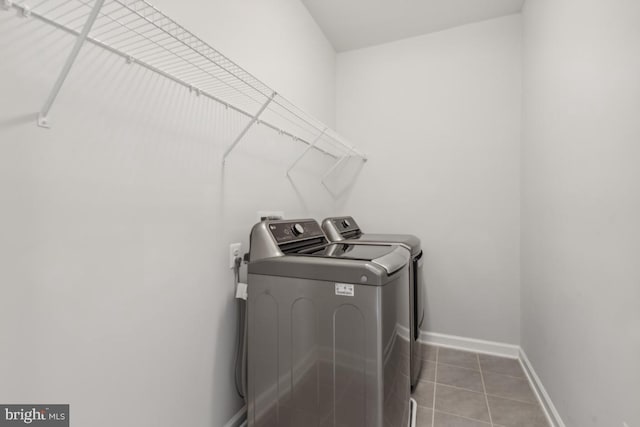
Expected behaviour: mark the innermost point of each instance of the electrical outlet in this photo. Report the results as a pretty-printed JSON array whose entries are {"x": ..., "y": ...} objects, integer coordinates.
[
  {"x": 262, "y": 215},
  {"x": 235, "y": 251}
]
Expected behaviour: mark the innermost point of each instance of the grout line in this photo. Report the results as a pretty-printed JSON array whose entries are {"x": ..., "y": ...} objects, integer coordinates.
[
  {"x": 460, "y": 367},
  {"x": 435, "y": 388},
  {"x": 466, "y": 418},
  {"x": 521, "y": 377},
  {"x": 461, "y": 388},
  {"x": 529, "y": 402},
  {"x": 507, "y": 375},
  {"x": 486, "y": 398}
]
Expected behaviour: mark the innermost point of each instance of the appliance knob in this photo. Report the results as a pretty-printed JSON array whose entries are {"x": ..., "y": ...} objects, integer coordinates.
[
  {"x": 346, "y": 223},
  {"x": 297, "y": 229}
]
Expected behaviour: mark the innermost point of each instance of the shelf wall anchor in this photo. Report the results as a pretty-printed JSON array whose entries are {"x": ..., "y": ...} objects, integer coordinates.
[
  {"x": 253, "y": 121},
  {"x": 44, "y": 112},
  {"x": 306, "y": 150}
]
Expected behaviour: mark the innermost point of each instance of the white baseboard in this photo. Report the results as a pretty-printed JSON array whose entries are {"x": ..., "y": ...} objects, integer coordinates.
[
  {"x": 471, "y": 344},
  {"x": 238, "y": 419},
  {"x": 504, "y": 350},
  {"x": 545, "y": 400}
]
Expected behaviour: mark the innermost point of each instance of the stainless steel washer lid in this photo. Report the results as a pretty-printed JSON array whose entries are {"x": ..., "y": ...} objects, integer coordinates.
[
  {"x": 345, "y": 228},
  {"x": 391, "y": 258},
  {"x": 351, "y": 263},
  {"x": 408, "y": 240}
]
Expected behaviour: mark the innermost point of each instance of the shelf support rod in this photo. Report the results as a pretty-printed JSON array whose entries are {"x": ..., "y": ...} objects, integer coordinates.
[
  {"x": 43, "y": 120},
  {"x": 253, "y": 121},
  {"x": 306, "y": 150},
  {"x": 331, "y": 169}
]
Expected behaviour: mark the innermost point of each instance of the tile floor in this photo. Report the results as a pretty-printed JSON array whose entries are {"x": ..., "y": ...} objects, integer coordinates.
[{"x": 462, "y": 389}]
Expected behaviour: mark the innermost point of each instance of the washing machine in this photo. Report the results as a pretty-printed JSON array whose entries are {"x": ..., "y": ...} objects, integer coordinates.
[
  {"x": 345, "y": 229},
  {"x": 325, "y": 330}
]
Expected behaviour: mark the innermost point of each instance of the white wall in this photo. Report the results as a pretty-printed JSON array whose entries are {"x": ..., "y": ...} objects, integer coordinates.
[
  {"x": 115, "y": 223},
  {"x": 581, "y": 207},
  {"x": 440, "y": 117}
]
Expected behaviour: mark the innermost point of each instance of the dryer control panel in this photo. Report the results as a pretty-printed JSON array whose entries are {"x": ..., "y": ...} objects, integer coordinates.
[
  {"x": 340, "y": 228},
  {"x": 345, "y": 224}
]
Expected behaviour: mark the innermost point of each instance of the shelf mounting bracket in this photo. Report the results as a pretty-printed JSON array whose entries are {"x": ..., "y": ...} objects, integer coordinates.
[
  {"x": 253, "y": 121},
  {"x": 306, "y": 150},
  {"x": 43, "y": 120}
]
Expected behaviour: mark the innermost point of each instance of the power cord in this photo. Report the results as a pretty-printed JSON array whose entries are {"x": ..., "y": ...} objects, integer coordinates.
[{"x": 241, "y": 336}]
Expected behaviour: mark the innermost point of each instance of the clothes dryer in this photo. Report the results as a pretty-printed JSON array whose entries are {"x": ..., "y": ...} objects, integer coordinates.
[{"x": 345, "y": 229}]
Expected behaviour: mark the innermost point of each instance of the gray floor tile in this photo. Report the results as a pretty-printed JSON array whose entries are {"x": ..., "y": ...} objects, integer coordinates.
[
  {"x": 423, "y": 394},
  {"x": 509, "y": 387},
  {"x": 423, "y": 417},
  {"x": 463, "y": 359},
  {"x": 429, "y": 352},
  {"x": 428, "y": 372},
  {"x": 501, "y": 365},
  {"x": 468, "y": 404},
  {"x": 509, "y": 413},
  {"x": 448, "y": 420},
  {"x": 460, "y": 377}
]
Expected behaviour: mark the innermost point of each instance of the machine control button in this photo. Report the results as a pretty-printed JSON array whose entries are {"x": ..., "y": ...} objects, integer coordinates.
[{"x": 297, "y": 229}]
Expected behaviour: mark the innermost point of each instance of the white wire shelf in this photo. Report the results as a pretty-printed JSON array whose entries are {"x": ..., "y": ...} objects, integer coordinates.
[{"x": 141, "y": 34}]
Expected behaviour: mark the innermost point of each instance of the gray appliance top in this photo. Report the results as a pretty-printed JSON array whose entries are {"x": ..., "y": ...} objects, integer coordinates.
[
  {"x": 391, "y": 258},
  {"x": 274, "y": 238},
  {"x": 374, "y": 272},
  {"x": 345, "y": 228},
  {"x": 298, "y": 248}
]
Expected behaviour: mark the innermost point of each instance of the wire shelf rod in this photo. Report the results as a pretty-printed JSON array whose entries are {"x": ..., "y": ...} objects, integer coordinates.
[
  {"x": 82, "y": 36},
  {"x": 196, "y": 48},
  {"x": 338, "y": 142},
  {"x": 254, "y": 119},
  {"x": 148, "y": 66},
  {"x": 331, "y": 169},
  {"x": 154, "y": 69},
  {"x": 167, "y": 50},
  {"x": 306, "y": 150},
  {"x": 236, "y": 75},
  {"x": 186, "y": 67},
  {"x": 130, "y": 33},
  {"x": 108, "y": 27},
  {"x": 84, "y": 13},
  {"x": 37, "y": 5},
  {"x": 54, "y": 8}
]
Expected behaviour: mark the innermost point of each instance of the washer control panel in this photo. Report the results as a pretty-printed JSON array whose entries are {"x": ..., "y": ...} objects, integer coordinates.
[{"x": 288, "y": 231}]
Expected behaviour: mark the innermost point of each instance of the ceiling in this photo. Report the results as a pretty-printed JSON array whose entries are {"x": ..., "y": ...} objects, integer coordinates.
[{"x": 353, "y": 24}]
